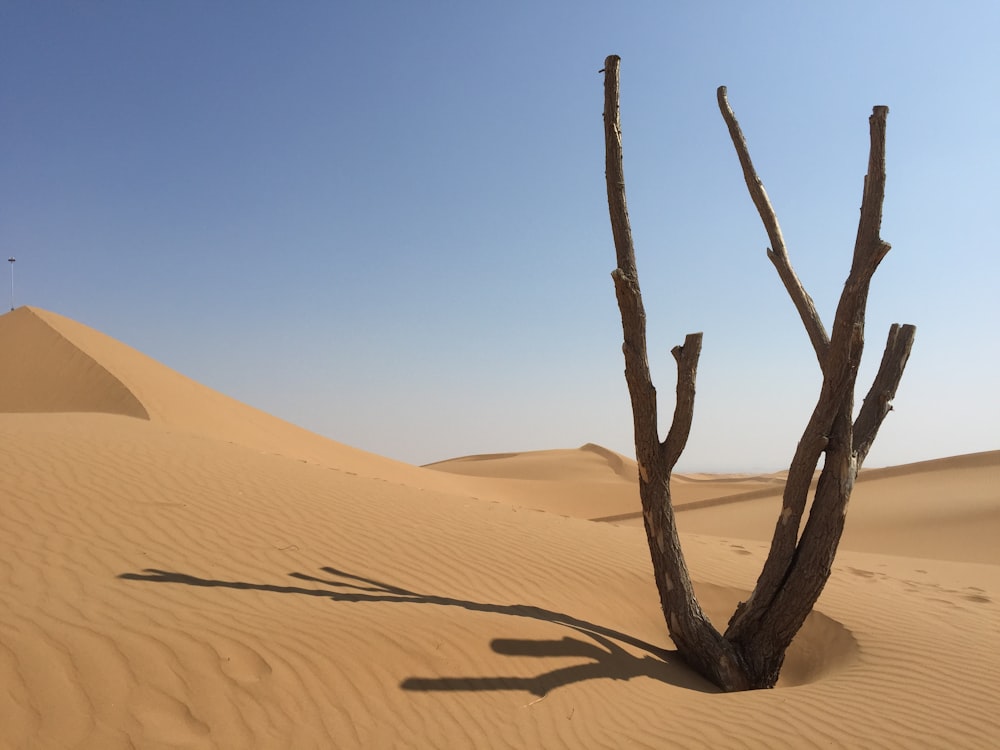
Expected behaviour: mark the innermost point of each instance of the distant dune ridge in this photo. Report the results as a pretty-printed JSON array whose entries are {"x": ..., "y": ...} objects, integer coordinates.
[{"x": 178, "y": 569}]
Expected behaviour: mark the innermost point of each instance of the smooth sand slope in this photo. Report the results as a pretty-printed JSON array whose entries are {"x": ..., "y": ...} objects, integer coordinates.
[{"x": 206, "y": 576}]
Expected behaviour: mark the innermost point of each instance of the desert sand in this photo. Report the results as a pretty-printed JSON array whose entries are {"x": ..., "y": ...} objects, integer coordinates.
[{"x": 180, "y": 570}]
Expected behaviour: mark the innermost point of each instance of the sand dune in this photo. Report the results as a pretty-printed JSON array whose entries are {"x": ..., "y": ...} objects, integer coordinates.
[
  {"x": 587, "y": 482},
  {"x": 207, "y": 576},
  {"x": 591, "y": 462},
  {"x": 596, "y": 483},
  {"x": 54, "y": 364}
]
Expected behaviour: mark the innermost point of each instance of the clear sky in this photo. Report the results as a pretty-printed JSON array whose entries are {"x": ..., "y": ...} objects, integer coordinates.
[{"x": 387, "y": 221}]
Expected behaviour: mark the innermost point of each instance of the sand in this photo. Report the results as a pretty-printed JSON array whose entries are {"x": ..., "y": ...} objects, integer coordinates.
[{"x": 179, "y": 570}]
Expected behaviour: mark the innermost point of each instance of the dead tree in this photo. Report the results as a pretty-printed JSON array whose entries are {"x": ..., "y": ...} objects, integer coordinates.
[{"x": 749, "y": 654}]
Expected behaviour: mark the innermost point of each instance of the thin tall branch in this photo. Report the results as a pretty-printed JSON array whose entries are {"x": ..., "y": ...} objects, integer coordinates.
[
  {"x": 869, "y": 246},
  {"x": 777, "y": 253},
  {"x": 614, "y": 174}
]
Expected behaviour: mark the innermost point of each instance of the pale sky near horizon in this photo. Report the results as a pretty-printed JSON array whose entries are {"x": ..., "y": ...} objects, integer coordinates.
[{"x": 387, "y": 221}]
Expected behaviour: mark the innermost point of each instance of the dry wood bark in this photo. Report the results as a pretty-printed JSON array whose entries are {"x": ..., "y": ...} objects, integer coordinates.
[{"x": 751, "y": 651}]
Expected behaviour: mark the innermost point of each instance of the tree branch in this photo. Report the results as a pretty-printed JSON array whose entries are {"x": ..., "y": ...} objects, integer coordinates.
[
  {"x": 878, "y": 402},
  {"x": 777, "y": 253},
  {"x": 869, "y": 247},
  {"x": 687, "y": 370},
  {"x": 640, "y": 385},
  {"x": 641, "y": 390},
  {"x": 613, "y": 173}
]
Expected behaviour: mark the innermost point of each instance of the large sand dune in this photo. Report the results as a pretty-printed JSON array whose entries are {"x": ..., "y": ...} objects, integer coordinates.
[{"x": 178, "y": 570}]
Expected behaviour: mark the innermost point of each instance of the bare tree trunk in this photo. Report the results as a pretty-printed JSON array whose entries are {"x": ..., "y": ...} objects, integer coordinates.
[
  {"x": 750, "y": 653},
  {"x": 698, "y": 642}
]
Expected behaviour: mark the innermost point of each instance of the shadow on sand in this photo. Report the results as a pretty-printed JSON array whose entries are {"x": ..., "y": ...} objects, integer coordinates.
[{"x": 603, "y": 654}]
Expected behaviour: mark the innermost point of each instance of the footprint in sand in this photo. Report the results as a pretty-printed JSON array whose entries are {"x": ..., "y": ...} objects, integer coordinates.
[
  {"x": 242, "y": 664},
  {"x": 977, "y": 598},
  {"x": 862, "y": 573}
]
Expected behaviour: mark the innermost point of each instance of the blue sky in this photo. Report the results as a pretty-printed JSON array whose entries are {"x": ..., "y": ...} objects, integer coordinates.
[{"x": 386, "y": 221}]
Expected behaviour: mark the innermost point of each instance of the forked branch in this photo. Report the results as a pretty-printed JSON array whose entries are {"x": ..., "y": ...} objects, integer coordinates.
[
  {"x": 797, "y": 567},
  {"x": 649, "y": 449},
  {"x": 697, "y": 640}
]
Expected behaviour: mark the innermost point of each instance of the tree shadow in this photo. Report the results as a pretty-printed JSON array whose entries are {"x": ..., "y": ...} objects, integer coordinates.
[
  {"x": 604, "y": 653},
  {"x": 610, "y": 662}
]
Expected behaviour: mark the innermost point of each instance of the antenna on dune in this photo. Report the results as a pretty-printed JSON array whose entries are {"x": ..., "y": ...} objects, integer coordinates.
[{"x": 11, "y": 261}]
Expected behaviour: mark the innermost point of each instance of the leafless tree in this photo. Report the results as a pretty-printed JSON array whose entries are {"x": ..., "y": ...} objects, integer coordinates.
[{"x": 749, "y": 654}]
